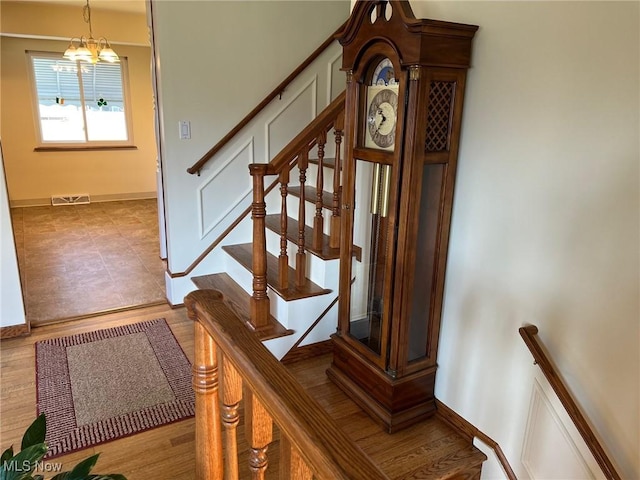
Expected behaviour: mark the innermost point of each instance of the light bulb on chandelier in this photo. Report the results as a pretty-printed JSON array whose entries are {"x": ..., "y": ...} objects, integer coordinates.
[{"x": 89, "y": 49}]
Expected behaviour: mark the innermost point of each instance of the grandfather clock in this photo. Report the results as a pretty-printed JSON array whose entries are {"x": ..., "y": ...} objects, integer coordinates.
[{"x": 405, "y": 87}]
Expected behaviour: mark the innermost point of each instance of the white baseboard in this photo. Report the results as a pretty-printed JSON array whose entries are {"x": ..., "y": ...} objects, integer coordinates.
[{"x": 113, "y": 197}]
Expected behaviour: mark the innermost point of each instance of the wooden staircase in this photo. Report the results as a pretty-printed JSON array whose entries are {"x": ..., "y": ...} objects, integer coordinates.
[{"x": 298, "y": 219}]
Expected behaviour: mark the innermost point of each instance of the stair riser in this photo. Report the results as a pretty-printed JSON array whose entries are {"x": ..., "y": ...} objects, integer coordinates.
[
  {"x": 324, "y": 273},
  {"x": 274, "y": 205},
  {"x": 312, "y": 175},
  {"x": 279, "y": 308},
  {"x": 293, "y": 314}
]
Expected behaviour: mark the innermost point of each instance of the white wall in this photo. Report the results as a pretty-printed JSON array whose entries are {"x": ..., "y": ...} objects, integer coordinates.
[
  {"x": 250, "y": 47},
  {"x": 546, "y": 220},
  {"x": 11, "y": 304}
]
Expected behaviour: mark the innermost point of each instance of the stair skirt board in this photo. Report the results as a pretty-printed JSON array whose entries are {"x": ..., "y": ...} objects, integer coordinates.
[{"x": 301, "y": 317}]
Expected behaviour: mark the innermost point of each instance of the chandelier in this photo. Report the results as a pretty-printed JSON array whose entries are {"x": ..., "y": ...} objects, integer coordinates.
[{"x": 89, "y": 49}]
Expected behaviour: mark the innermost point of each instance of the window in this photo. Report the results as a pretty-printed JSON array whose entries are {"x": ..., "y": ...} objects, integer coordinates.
[{"x": 80, "y": 103}]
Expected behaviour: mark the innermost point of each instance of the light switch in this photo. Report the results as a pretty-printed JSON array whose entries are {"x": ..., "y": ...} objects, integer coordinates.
[{"x": 185, "y": 129}]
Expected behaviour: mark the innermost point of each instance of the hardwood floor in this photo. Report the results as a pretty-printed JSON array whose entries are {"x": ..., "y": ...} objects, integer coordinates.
[
  {"x": 429, "y": 450},
  {"x": 83, "y": 259},
  {"x": 162, "y": 453}
]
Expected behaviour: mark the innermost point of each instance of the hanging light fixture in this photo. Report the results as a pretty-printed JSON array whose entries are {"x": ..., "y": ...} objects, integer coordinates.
[{"x": 89, "y": 49}]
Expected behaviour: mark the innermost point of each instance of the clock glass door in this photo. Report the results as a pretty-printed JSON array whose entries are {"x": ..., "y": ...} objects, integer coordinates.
[{"x": 372, "y": 208}]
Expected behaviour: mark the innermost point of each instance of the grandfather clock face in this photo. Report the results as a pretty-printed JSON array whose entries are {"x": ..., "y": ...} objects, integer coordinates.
[{"x": 382, "y": 107}]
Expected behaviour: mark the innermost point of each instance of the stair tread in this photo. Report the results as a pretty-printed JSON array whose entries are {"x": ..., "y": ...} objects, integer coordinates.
[
  {"x": 325, "y": 253},
  {"x": 326, "y": 162},
  {"x": 311, "y": 196},
  {"x": 238, "y": 301},
  {"x": 243, "y": 254}
]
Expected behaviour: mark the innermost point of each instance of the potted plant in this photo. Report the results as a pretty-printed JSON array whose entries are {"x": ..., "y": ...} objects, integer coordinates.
[{"x": 21, "y": 466}]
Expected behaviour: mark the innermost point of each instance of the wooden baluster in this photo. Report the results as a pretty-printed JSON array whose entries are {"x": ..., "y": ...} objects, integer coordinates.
[
  {"x": 259, "y": 301},
  {"x": 301, "y": 256},
  {"x": 205, "y": 385},
  {"x": 334, "y": 235},
  {"x": 259, "y": 433},
  {"x": 292, "y": 466},
  {"x": 283, "y": 259},
  {"x": 318, "y": 220},
  {"x": 231, "y": 396}
]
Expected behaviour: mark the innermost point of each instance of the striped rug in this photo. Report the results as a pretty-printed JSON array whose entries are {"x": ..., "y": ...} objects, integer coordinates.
[{"x": 107, "y": 384}]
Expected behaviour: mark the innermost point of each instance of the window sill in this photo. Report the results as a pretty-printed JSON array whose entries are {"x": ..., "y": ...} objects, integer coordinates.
[{"x": 84, "y": 148}]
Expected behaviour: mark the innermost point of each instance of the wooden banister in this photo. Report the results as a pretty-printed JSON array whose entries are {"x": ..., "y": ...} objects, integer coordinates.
[
  {"x": 196, "y": 167},
  {"x": 295, "y": 153},
  {"x": 307, "y": 136},
  {"x": 315, "y": 437},
  {"x": 528, "y": 334}
]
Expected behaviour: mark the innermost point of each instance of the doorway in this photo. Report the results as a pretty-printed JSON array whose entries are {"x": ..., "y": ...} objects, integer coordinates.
[{"x": 76, "y": 255}]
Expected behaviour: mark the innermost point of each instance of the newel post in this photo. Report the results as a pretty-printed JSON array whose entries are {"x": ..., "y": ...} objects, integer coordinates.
[
  {"x": 259, "y": 300},
  {"x": 205, "y": 378}
]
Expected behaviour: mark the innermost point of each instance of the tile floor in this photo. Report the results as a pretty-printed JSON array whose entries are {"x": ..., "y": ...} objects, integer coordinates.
[{"x": 81, "y": 259}]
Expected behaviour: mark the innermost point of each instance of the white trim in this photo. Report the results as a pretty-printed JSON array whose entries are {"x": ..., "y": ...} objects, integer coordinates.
[
  {"x": 126, "y": 100},
  {"x": 66, "y": 39}
]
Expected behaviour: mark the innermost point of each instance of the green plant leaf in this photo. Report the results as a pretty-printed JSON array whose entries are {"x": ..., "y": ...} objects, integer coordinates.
[
  {"x": 35, "y": 433},
  {"x": 61, "y": 476},
  {"x": 21, "y": 465},
  {"x": 6, "y": 455},
  {"x": 80, "y": 471},
  {"x": 110, "y": 476}
]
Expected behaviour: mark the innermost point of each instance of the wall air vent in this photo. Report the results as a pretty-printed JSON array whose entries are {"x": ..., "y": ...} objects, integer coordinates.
[{"x": 70, "y": 199}]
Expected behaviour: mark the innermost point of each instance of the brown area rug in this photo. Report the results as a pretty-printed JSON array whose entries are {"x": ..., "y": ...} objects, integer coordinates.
[{"x": 103, "y": 385}]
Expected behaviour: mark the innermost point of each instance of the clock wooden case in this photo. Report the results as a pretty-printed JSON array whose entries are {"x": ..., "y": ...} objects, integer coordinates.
[{"x": 405, "y": 88}]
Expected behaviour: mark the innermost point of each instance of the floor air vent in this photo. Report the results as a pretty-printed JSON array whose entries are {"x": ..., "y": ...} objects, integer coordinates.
[{"x": 70, "y": 199}]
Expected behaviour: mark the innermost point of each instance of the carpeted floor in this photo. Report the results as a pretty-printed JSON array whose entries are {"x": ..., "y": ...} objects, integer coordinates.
[{"x": 103, "y": 385}]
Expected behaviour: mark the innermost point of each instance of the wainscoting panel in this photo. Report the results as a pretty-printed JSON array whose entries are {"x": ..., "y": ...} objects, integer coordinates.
[
  {"x": 553, "y": 449},
  {"x": 225, "y": 188},
  {"x": 294, "y": 114},
  {"x": 337, "y": 78}
]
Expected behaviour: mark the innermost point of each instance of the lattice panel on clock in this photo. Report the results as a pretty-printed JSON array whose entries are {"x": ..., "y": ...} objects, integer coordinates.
[{"x": 439, "y": 117}]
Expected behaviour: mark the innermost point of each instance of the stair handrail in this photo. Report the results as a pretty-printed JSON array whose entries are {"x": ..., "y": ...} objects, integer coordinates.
[
  {"x": 224, "y": 344},
  {"x": 307, "y": 136},
  {"x": 196, "y": 167},
  {"x": 528, "y": 334}
]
